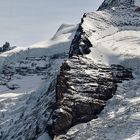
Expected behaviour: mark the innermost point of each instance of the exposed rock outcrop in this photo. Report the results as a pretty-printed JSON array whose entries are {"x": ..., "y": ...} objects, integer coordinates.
[
  {"x": 80, "y": 44},
  {"x": 82, "y": 90}
]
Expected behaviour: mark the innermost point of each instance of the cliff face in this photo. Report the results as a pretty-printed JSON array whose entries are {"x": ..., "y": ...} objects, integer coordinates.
[
  {"x": 80, "y": 44},
  {"x": 82, "y": 90}
]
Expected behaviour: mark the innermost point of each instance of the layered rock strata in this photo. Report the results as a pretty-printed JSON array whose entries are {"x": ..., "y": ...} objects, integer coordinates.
[{"x": 82, "y": 90}]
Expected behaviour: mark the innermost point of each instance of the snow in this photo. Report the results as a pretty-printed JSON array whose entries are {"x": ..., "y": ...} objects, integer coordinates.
[
  {"x": 30, "y": 83},
  {"x": 113, "y": 41},
  {"x": 59, "y": 110},
  {"x": 117, "y": 47},
  {"x": 54, "y": 46}
]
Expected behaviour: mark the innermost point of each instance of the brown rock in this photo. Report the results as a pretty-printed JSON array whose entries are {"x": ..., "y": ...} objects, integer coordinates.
[{"x": 62, "y": 120}]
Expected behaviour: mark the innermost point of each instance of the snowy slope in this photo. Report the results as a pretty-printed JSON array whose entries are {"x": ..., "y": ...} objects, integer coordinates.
[
  {"x": 115, "y": 36},
  {"x": 26, "y": 74},
  {"x": 50, "y": 47}
]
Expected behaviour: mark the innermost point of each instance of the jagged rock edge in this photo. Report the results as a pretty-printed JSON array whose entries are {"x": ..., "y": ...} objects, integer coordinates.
[{"x": 80, "y": 46}]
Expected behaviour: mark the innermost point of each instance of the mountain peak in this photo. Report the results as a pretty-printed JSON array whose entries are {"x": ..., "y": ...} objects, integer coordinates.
[{"x": 115, "y": 3}]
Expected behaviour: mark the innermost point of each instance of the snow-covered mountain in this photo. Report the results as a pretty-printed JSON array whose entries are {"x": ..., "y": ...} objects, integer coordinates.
[
  {"x": 83, "y": 84},
  {"x": 26, "y": 74}
]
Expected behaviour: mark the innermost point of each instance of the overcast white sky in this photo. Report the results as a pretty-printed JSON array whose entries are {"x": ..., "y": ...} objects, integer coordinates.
[{"x": 25, "y": 22}]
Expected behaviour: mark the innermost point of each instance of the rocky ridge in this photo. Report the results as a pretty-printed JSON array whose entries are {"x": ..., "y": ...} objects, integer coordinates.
[
  {"x": 83, "y": 86},
  {"x": 82, "y": 90}
]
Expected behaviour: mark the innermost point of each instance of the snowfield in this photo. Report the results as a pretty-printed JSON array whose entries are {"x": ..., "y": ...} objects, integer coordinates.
[{"x": 116, "y": 34}]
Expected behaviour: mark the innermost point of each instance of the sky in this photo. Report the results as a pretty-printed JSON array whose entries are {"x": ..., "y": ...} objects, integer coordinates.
[{"x": 25, "y": 22}]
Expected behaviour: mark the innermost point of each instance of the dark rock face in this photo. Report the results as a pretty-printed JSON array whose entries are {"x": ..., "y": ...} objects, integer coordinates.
[
  {"x": 120, "y": 73},
  {"x": 80, "y": 44},
  {"x": 137, "y": 9},
  {"x": 82, "y": 90},
  {"x": 6, "y": 47},
  {"x": 62, "y": 120}
]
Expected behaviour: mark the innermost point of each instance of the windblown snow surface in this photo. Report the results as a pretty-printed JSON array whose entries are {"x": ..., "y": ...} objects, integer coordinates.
[
  {"x": 115, "y": 36},
  {"x": 25, "y": 75}
]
